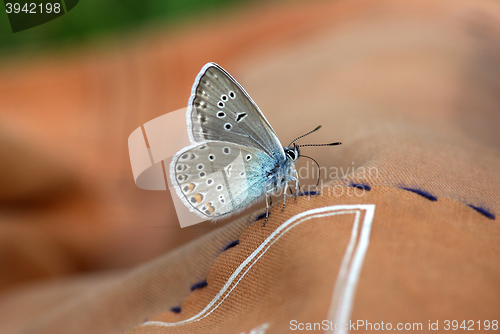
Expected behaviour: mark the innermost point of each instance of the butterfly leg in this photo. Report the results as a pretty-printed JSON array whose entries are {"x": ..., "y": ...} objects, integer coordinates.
[
  {"x": 297, "y": 185},
  {"x": 269, "y": 202},
  {"x": 284, "y": 195}
]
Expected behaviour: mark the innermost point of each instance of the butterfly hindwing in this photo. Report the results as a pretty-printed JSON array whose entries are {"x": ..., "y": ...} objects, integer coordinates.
[
  {"x": 219, "y": 109},
  {"x": 215, "y": 178}
]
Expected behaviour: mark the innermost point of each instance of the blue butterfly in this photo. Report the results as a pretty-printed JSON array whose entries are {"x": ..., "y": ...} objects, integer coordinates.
[{"x": 235, "y": 157}]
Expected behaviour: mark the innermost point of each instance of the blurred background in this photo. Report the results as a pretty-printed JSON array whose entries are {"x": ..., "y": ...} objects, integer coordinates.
[
  {"x": 73, "y": 89},
  {"x": 71, "y": 92}
]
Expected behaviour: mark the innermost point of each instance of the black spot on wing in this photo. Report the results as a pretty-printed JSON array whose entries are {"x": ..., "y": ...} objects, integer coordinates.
[{"x": 240, "y": 117}]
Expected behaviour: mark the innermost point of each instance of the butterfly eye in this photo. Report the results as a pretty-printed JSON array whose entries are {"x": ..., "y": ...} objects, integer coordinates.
[
  {"x": 221, "y": 104},
  {"x": 211, "y": 157},
  {"x": 228, "y": 126},
  {"x": 248, "y": 157},
  {"x": 221, "y": 114},
  {"x": 232, "y": 95},
  {"x": 226, "y": 150},
  {"x": 223, "y": 97}
]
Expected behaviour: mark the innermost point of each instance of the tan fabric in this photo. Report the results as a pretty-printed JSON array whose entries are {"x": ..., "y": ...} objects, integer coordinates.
[
  {"x": 419, "y": 266},
  {"x": 114, "y": 302},
  {"x": 410, "y": 88}
]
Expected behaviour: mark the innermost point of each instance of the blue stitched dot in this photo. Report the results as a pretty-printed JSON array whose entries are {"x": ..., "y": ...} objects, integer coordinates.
[
  {"x": 309, "y": 193},
  {"x": 422, "y": 193},
  {"x": 259, "y": 217},
  {"x": 199, "y": 285},
  {"x": 360, "y": 186},
  {"x": 232, "y": 244},
  {"x": 483, "y": 211},
  {"x": 176, "y": 309}
]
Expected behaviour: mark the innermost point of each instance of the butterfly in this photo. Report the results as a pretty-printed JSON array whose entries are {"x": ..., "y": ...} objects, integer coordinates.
[{"x": 235, "y": 157}]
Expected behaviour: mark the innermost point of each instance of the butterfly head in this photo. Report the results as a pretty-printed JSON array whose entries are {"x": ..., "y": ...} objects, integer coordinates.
[{"x": 292, "y": 153}]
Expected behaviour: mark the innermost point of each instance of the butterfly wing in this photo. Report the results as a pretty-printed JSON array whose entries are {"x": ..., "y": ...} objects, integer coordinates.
[
  {"x": 214, "y": 179},
  {"x": 220, "y": 109}
]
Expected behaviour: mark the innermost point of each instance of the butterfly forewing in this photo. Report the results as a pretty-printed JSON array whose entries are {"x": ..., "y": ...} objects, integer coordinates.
[
  {"x": 220, "y": 109},
  {"x": 218, "y": 178}
]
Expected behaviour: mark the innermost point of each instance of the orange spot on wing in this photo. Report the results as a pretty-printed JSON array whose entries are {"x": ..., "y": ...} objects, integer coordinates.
[
  {"x": 210, "y": 208},
  {"x": 198, "y": 198}
]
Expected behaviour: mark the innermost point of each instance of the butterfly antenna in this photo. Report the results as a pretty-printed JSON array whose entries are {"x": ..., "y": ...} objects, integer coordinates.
[
  {"x": 317, "y": 164},
  {"x": 329, "y": 144},
  {"x": 316, "y": 129}
]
